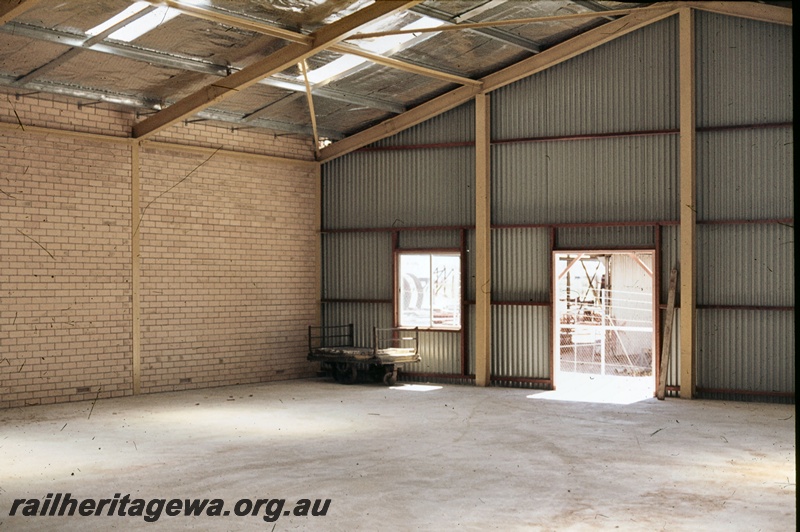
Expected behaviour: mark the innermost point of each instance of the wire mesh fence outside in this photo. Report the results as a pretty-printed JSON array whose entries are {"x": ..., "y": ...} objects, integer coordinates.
[{"x": 611, "y": 335}]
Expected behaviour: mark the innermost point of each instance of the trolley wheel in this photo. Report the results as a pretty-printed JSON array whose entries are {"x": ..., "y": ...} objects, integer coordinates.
[
  {"x": 390, "y": 378},
  {"x": 346, "y": 373}
]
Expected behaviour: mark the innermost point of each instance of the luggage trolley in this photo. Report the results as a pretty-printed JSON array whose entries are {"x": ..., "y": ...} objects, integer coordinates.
[{"x": 334, "y": 347}]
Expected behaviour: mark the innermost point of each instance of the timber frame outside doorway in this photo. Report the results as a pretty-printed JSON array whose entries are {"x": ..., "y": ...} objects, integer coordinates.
[{"x": 605, "y": 310}]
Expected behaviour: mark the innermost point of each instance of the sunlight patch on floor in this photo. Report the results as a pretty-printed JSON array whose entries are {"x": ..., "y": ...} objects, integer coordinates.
[
  {"x": 416, "y": 387},
  {"x": 599, "y": 389}
]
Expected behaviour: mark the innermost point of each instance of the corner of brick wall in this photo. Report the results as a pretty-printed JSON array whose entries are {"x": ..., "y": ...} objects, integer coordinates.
[{"x": 228, "y": 256}]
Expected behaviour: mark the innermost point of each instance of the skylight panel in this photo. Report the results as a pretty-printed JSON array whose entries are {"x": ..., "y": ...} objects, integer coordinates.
[
  {"x": 378, "y": 45},
  {"x": 138, "y": 27},
  {"x": 381, "y": 45}
]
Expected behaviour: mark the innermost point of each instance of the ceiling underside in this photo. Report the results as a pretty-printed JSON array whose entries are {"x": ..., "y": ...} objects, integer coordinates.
[{"x": 268, "y": 64}]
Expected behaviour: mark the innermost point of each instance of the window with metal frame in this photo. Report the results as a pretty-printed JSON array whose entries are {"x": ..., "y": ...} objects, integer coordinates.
[{"x": 429, "y": 290}]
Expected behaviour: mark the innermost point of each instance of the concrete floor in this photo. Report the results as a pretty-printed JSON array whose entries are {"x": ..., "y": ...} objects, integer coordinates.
[{"x": 411, "y": 457}]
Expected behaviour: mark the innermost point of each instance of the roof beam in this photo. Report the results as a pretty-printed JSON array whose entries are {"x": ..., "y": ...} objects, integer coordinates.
[
  {"x": 402, "y": 65},
  {"x": 311, "y": 111},
  {"x": 393, "y": 125},
  {"x": 550, "y": 57},
  {"x": 509, "y": 22},
  {"x": 121, "y": 49},
  {"x": 11, "y": 9},
  {"x": 287, "y": 56},
  {"x": 243, "y": 23},
  {"x": 578, "y": 45},
  {"x": 142, "y": 103}
]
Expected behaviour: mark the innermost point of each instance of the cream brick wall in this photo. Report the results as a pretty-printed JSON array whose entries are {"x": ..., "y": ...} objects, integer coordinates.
[
  {"x": 228, "y": 256},
  {"x": 65, "y": 324},
  {"x": 65, "y": 114},
  {"x": 227, "y": 276},
  {"x": 217, "y": 135}
]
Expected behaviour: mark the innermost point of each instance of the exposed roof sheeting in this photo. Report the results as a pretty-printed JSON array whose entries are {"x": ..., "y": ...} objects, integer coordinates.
[
  {"x": 265, "y": 67},
  {"x": 236, "y": 60},
  {"x": 20, "y": 55},
  {"x": 75, "y": 16}
]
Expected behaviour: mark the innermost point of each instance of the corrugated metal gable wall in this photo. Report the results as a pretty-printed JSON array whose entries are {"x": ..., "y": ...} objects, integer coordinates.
[
  {"x": 396, "y": 188},
  {"x": 389, "y": 189},
  {"x": 556, "y": 168},
  {"x": 743, "y": 71},
  {"x": 742, "y": 174},
  {"x": 744, "y": 77},
  {"x": 632, "y": 178},
  {"x": 629, "y": 84},
  {"x": 564, "y": 169}
]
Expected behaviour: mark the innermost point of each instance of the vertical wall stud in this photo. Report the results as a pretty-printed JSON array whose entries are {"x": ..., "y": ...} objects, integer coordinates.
[
  {"x": 395, "y": 280},
  {"x": 318, "y": 223},
  {"x": 135, "y": 271},
  {"x": 656, "y": 299},
  {"x": 483, "y": 245},
  {"x": 555, "y": 340},
  {"x": 688, "y": 203},
  {"x": 465, "y": 273}
]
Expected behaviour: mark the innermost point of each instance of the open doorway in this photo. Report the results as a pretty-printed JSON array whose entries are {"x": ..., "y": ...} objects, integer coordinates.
[{"x": 604, "y": 325}]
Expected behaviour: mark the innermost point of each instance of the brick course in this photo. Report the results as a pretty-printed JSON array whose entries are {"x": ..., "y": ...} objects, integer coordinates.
[{"x": 228, "y": 256}]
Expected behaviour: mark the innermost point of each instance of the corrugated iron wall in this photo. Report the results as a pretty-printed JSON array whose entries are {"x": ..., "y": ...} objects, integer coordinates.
[
  {"x": 397, "y": 188},
  {"x": 440, "y": 352},
  {"x": 742, "y": 173},
  {"x": 585, "y": 156},
  {"x": 357, "y": 266},
  {"x": 429, "y": 239},
  {"x": 518, "y": 271},
  {"x": 364, "y": 316},
  {"x": 454, "y": 126},
  {"x": 745, "y": 350},
  {"x": 745, "y": 284},
  {"x": 631, "y": 236},
  {"x": 743, "y": 71},
  {"x": 629, "y": 84},
  {"x": 633, "y": 178},
  {"x": 520, "y": 341},
  {"x": 588, "y": 150},
  {"x": 382, "y": 191},
  {"x": 745, "y": 265}
]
